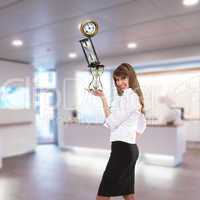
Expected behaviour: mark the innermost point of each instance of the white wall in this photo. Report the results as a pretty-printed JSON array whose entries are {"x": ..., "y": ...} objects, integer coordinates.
[
  {"x": 66, "y": 97},
  {"x": 17, "y": 139},
  {"x": 192, "y": 130},
  {"x": 12, "y": 70}
]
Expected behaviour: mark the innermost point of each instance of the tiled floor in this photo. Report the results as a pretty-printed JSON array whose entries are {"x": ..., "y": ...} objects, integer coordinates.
[{"x": 49, "y": 174}]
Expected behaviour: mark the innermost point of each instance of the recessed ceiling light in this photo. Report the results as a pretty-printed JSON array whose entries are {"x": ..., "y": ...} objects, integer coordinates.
[
  {"x": 72, "y": 55},
  {"x": 17, "y": 43},
  {"x": 132, "y": 45},
  {"x": 190, "y": 2}
]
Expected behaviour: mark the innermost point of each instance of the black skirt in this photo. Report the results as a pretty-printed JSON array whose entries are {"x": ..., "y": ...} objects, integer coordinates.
[{"x": 119, "y": 176}]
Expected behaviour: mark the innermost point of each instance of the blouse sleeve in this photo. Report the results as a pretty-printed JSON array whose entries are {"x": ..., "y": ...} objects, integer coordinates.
[
  {"x": 129, "y": 103},
  {"x": 141, "y": 124}
]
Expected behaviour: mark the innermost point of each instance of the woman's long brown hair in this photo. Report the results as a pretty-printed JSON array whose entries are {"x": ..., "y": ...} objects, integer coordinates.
[{"x": 126, "y": 70}]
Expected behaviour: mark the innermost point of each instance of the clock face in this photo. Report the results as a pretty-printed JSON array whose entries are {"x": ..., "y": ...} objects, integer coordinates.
[{"x": 89, "y": 28}]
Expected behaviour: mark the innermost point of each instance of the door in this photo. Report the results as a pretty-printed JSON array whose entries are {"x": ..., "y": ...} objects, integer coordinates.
[{"x": 45, "y": 105}]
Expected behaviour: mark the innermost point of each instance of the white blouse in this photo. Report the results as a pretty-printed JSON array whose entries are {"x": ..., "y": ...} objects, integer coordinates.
[{"x": 125, "y": 118}]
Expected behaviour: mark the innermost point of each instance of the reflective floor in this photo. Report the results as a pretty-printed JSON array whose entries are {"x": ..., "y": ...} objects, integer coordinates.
[{"x": 52, "y": 174}]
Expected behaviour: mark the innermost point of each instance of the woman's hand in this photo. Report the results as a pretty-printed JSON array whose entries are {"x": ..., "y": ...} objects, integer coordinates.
[{"x": 98, "y": 93}]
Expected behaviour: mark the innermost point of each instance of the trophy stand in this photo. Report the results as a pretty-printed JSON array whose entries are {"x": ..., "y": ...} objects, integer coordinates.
[{"x": 89, "y": 29}]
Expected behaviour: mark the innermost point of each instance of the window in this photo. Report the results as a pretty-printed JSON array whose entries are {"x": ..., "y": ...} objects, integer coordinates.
[
  {"x": 14, "y": 97},
  {"x": 89, "y": 107}
]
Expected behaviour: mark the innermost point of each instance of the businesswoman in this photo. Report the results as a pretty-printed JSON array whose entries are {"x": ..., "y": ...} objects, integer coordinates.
[{"x": 126, "y": 120}]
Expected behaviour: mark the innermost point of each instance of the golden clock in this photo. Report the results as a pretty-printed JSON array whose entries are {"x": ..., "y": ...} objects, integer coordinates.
[{"x": 89, "y": 28}]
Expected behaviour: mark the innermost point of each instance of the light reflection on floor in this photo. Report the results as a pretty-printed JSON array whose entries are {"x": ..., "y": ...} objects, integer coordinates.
[
  {"x": 8, "y": 185},
  {"x": 156, "y": 175},
  {"x": 94, "y": 160}
]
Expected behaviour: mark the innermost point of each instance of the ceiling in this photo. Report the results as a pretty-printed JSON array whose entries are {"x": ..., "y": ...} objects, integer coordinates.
[{"x": 49, "y": 28}]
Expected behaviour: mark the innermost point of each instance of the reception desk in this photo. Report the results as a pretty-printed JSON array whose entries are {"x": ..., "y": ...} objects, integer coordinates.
[
  {"x": 163, "y": 145},
  {"x": 16, "y": 138},
  {"x": 160, "y": 144}
]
